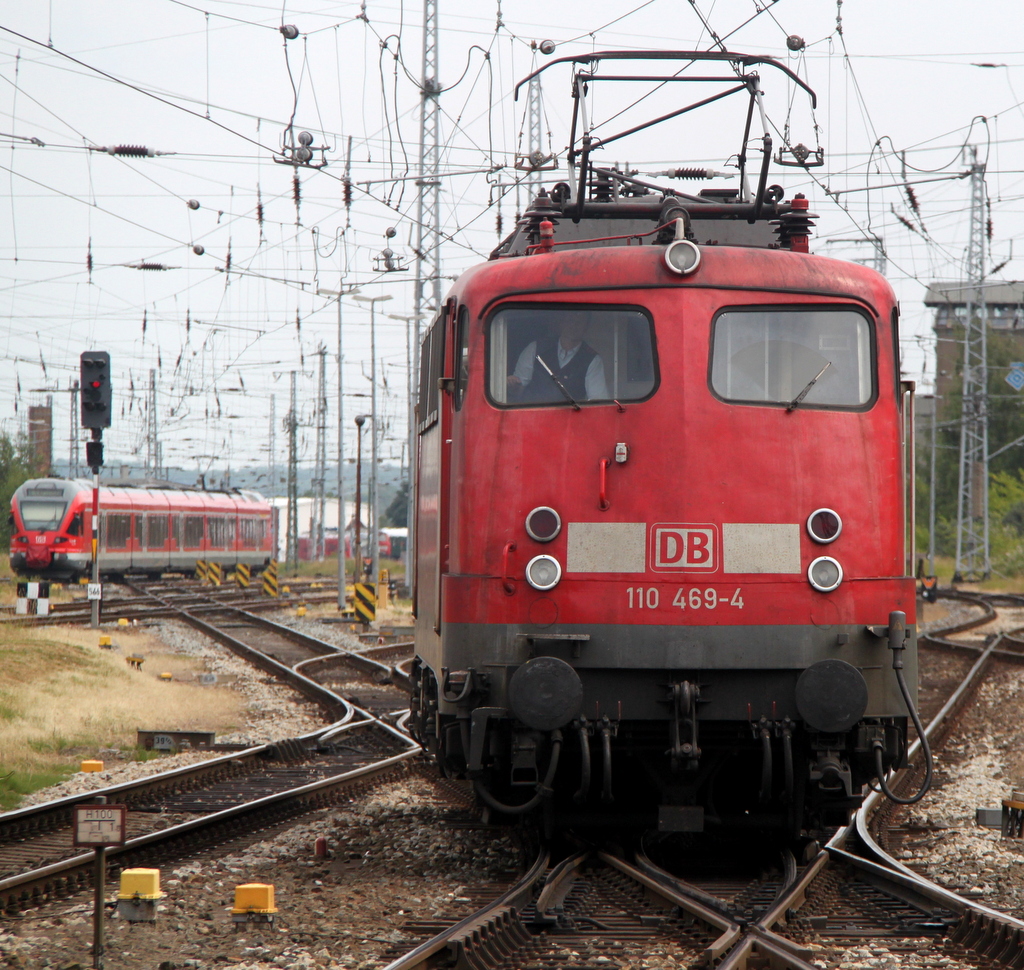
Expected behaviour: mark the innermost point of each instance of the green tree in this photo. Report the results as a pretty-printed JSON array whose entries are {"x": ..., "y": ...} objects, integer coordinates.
[
  {"x": 396, "y": 515},
  {"x": 15, "y": 468},
  {"x": 1005, "y": 424}
]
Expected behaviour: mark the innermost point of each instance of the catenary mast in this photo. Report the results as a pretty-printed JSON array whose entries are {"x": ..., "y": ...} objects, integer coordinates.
[
  {"x": 973, "y": 562},
  {"x": 428, "y": 230}
]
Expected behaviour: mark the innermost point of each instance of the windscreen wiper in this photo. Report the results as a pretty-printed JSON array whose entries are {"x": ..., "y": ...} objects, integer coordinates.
[
  {"x": 814, "y": 380},
  {"x": 558, "y": 383}
]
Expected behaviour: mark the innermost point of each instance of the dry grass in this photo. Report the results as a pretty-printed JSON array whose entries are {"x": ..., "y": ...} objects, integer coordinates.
[{"x": 62, "y": 698}]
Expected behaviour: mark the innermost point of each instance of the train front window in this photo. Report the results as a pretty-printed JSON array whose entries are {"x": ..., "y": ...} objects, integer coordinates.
[
  {"x": 773, "y": 355},
  {"x": 564, "y": 355},
  {"x": 40, "y": 515}
]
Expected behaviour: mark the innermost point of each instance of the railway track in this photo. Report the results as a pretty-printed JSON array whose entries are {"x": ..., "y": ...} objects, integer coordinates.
[
  {"x": 140, "y": 605},
  {"x": 601, "y": 908},
  {"x": 177, "y": 811}
]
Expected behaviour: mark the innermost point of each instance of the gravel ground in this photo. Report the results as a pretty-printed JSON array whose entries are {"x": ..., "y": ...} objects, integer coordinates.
[
  {"x": 392, "y": 855},
  {"x": 978, "y": 769},
  {"x": 348, "y": 911}
]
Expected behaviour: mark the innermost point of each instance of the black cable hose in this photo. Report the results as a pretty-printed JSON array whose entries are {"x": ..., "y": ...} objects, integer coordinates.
[
  {"x": 544, "y": 789},
  {"x": 584, "y": 790},
  {"x": 606, "y": 751},
  {"x": 897, "y": 664},
  {"x": 766, "y": 766},
  {"x": 787, "y": 760}
]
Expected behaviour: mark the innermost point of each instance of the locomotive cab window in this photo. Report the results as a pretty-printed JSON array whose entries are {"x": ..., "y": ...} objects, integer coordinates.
[
  {"x": 564, "y": 355},
  {"x": 818, "y": 357}
]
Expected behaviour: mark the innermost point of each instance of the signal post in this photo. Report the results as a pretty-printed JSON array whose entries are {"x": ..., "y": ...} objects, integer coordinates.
[{"x": 96, "y": 398}]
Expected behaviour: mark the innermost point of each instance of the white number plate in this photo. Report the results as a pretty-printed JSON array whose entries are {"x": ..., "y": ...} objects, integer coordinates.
[
  {"x": 94, "y": 591},
  {"x": 685, "y": 598}
]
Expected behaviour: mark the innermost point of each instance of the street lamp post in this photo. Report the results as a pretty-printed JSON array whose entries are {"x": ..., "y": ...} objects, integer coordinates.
[
  {"x": 410, "y": 353},
  {"x": 374, "y": 493},
  {"x": 341, "y": 446},
  {"x": 357, "y": 551}
]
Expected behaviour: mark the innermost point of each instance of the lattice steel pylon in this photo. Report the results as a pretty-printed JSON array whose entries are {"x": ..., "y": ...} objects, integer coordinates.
[
  {"x": 428, "y": 209},
  {"x": 428, "y": 234},
  {"x": 973, "y": 562},
  {"x": 535, "y": 130}
]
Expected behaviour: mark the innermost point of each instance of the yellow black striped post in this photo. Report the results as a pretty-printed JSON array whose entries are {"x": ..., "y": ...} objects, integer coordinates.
[
  {"x": 215, "y": 573},
  {"x": 201, "y": 571},
  {"x": 270, "y": 585},
  {"x": 365, "y": 602},
  {"x": 242, "y": 575}
]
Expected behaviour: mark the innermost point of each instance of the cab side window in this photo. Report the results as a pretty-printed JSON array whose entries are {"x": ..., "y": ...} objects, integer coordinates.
[{"x": 461, "y": 356}]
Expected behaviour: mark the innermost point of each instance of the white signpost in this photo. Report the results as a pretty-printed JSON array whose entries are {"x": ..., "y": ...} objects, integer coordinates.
[{"x": 100, "y": 825}]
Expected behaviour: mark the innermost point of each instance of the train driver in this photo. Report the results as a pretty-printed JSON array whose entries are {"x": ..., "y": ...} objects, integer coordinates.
[{"x": 552, "y": 368}]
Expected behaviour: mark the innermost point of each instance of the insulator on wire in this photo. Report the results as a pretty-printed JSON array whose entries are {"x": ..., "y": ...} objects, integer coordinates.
[
  {"x": 131, "y": 151},
  {"x": 347, "y": 193},
  {"x": 149, "y": 266}
]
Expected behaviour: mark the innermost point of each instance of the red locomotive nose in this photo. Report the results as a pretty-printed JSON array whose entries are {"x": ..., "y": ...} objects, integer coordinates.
[{"x": 38, "y": 557}]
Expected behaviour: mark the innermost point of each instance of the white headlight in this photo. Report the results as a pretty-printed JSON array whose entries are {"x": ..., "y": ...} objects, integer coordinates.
[
  {"x": 543, "y": 572},
  {"x": 682, "y": 256},
  {"x": 824, "y": 574}
]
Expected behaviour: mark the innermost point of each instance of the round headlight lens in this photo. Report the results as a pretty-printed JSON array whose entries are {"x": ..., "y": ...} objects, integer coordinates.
[
  {"x": 543, "y": 572},
  {"x": 824, "y": 574},
  {"x": 824, "y": 525},
  {"x": 682, "y": 256},
  {"x": 543, "y": 524}
]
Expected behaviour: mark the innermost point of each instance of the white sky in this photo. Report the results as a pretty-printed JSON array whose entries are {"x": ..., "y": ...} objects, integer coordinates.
[{"x": 208, "y": 83}]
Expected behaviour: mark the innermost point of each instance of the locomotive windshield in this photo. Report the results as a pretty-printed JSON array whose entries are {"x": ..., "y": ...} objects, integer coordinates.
[
  {"x": 42, "y": 515},
  {"x": 818, "y": 357},
  {"x": 570, "y": 355}
]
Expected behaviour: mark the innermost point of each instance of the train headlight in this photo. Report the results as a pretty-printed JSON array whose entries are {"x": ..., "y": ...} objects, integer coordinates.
[
  {"x": 543, "y": 572},
  {"x": 543, "y": 524},
  {"x": 824, "y": 525},
  {"x": 682, "y": 257},
  {"x": 824, "y": 574}
]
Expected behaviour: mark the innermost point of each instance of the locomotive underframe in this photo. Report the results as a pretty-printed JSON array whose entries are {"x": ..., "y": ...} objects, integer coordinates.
[{"x": 665, "y": 740}]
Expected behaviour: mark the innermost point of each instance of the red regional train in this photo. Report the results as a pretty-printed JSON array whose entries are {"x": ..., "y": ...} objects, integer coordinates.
[
  {"x": 663, "y": 536},
  {"x": 143, "y": 529}
]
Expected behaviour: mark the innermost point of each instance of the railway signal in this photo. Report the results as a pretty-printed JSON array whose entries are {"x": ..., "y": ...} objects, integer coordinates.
[{"x": 95, "y": 380}]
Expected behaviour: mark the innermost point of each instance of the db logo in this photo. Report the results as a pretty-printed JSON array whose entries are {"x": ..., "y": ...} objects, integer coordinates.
[{"x": 679, "y": 547}]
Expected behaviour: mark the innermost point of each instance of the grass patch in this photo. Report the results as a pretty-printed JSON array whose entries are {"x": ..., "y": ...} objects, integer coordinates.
[
  {"x": 328, "y": 569},
  {"x": 63, "y": 700},
  {"x": 14, "y": 785}
]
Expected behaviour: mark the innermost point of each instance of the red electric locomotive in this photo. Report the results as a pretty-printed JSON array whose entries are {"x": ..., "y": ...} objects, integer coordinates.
[
  {"x": 143, "y": 529},
  {"x": 662, "y": 509}
]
